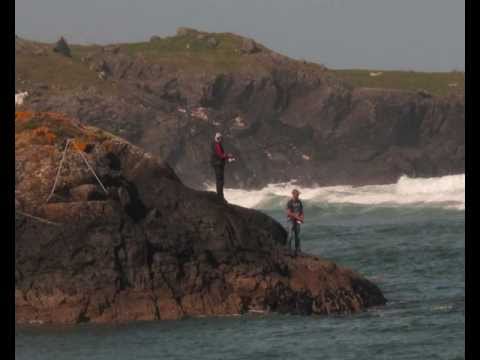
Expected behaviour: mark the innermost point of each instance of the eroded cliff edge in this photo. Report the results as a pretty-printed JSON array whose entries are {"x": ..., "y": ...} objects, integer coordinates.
[{"x": 284, "y": 118}]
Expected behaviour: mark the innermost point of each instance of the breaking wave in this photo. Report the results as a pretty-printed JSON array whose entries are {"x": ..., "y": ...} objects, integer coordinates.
[{"x": 444, "y": 192}]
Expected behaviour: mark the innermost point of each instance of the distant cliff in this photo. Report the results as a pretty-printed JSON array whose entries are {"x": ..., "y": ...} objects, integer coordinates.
[{"x": 284, "y": 119}]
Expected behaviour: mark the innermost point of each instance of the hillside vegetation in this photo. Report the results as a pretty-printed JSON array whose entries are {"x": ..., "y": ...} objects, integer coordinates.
[
  {"x": 195, "y": 51},
  {"x": 436, "y": 83}
]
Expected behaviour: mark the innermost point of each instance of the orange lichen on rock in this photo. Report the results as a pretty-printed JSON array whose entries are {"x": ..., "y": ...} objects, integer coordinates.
[
  {"x": 79, "y": 145},
  {"x": 23, "y": 115},
  {"x": 44, "y": 132},
  {"x": 59, "y": 126},
  {"x": 56, "y": 116}
]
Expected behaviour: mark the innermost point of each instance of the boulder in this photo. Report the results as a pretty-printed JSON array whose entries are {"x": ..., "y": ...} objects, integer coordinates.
[
  {"x": 249, "y": 46},
  {"x": 424, "y": 93},
  {"x": 212, "y": 42},
  {"x": 182, "y": 31},
  {"x": 112, "y": 49},
  {"x": 62, "y": 47}
]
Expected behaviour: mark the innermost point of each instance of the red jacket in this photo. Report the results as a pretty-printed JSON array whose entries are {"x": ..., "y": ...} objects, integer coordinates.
[{"x": 219, "y": 151}]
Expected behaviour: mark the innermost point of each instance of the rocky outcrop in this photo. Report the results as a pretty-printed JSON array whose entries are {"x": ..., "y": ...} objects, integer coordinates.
[
  {"x": 249, "y": 46},
  {"x": 283, "y": 118},
  {"x": 147, "y": 247},
  {"x": 62, "y": 47}
]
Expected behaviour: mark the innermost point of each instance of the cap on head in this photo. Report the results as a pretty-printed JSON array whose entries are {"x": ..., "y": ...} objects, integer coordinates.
[{"x": 218, "y": 137}]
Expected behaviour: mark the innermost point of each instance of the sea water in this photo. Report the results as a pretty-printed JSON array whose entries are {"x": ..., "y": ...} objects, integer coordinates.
[{"x": 408, "y": 238}]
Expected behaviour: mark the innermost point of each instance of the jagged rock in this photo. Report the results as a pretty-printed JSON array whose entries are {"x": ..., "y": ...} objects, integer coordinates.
[
  {"x": 153, "y": 248},
  {"x": 182, "y": 31},
  {"x": 62, "y": 47},
  {"x": 112, "y": 49},
  {"x": 212, "y": 42},
  {"x": 103, "y": 66},
  {"x": 39, "y": 52},
  {"x": 86, "y": 192},
  {"x": 249, "y": 46},
  {"x": 123, "y": 196},
  {"x": 423, "y": 93}
]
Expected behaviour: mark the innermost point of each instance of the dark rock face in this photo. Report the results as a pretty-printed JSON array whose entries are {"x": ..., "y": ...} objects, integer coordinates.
[
  {"x": 284, "y": 120},
  {"x": 151, "y": 248}
]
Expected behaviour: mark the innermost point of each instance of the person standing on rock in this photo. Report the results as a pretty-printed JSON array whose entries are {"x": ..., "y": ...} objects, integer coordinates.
[
  {"x": 218, "y": 159},
  {"x": 295, "y": 218}
]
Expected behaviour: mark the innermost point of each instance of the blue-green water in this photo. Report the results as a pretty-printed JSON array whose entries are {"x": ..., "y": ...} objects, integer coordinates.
[{"x": 414, "y": 253}]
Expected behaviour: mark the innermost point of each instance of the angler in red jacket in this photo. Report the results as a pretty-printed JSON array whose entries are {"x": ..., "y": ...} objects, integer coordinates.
[{"x": 218, "y": 159}]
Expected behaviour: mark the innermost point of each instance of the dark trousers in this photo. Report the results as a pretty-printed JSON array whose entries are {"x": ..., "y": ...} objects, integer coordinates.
[
  {"x": 220, "y": 179},
  {"x": 294, "y": 232}
]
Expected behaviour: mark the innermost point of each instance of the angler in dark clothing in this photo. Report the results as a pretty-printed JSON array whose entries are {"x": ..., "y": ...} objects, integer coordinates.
[
  {"x": 295, "y": 218},
  {"x": 218, "y": 159}
]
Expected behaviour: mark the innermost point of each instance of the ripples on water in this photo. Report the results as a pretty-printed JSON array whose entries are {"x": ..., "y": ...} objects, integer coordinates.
[{"x": 415, "y": 254}]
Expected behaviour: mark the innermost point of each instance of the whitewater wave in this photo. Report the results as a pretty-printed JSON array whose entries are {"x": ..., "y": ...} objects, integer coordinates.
[{"x": 445, "y": 192}]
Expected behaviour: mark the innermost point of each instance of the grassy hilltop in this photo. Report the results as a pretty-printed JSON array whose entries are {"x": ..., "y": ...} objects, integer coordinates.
[
  {"x": 437, "y": 83},
  {"x": 195, "y": 51}
]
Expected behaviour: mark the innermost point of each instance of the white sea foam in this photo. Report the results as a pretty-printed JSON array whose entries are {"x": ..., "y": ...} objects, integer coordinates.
[{"x": 445, "y": 192}]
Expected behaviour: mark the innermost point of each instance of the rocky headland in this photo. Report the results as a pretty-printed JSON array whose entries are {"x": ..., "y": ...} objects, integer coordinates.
[
  {"x": 284, "y": 119},
  {"x": 121, "y": 238}
]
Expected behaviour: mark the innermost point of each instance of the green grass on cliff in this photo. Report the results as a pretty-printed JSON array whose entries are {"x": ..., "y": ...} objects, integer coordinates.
[
  {"x": 435, "y": 83},
  {"x": 193, "y": 51},
  {"x": 56, "y": 71}
]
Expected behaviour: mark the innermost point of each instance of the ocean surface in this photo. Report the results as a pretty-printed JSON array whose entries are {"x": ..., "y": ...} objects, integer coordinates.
[{"x": 408, "y": 237}]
